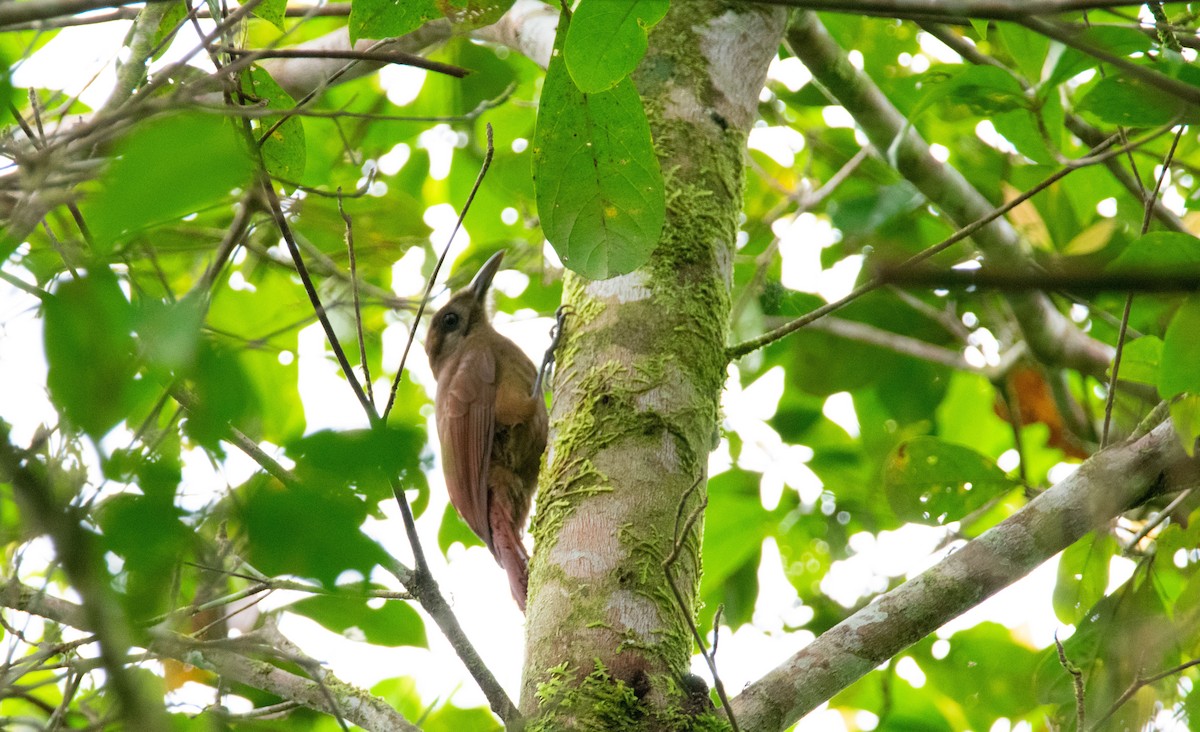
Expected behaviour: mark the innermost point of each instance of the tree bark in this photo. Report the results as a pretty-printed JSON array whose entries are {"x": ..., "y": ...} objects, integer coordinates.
[{"x": 637, "y": 400}]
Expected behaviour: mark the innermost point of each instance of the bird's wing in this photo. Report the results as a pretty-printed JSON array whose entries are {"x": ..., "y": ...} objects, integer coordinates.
[{"x": 466, "y": 405}]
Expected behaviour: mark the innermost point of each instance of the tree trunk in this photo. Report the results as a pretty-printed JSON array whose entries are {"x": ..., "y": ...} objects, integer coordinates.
[{"x": 636, "y": 402}]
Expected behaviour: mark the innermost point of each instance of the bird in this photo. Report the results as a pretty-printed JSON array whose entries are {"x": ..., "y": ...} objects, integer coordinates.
[{"x": 491, "y": 423}]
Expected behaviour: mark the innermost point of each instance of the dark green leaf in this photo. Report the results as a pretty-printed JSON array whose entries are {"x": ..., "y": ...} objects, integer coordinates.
[
  {"x": 389, "y": 18},
  {"x": 929, "y": 481},
  {"x": 366, "y": 459},
  {"x": 147, "y": 533},
  {"x": 607, "y": 40},
  {"x": 454, "y": 529},
  {"x": 90, "y": 351},
  {"x": 1122, "y": 100},
  {"x": 165, "y": 169},
  {"x": 1140, "y": 360},
  {"x": 271, "y": 11},
  {"x": 1082, "y": 576},
  {"x": 1178, "y": 370},
  {"x": 1159, "y": 252},
  {"x": 392, "y": 623},
  {"x": 987, "y": 90},
  {"x": 306, "y": 530},
  {"x": 284, "y": 151},
  {"x": 599, "y": 189}
]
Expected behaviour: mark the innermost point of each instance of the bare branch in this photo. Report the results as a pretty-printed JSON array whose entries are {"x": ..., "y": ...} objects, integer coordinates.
[
  {"x": 1103, "y": 487},
  {"x": 991, "y": 9}
]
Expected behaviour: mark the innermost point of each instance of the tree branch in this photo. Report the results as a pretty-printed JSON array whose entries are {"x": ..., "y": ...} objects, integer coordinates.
[
  {"x": 1051, "y": 336},
  {"x": 355, "y": 705},
  {"x": 1103, "y": 487},
  {"x": 990, "y": 9}
]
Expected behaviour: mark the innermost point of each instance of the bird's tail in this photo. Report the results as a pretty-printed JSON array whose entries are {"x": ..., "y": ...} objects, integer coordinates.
[{"x": 510, "y": 552}]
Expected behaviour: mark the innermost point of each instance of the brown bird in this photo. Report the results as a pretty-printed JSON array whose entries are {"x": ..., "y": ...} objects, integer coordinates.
[{"x": 491, "y": 424}]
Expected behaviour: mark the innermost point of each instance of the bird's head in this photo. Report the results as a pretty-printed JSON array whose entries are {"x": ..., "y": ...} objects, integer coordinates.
[{"x": 464, "y": 314}]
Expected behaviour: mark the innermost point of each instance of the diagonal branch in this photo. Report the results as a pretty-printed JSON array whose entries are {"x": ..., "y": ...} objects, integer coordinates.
[
  {"x": 1103, "y": 487},
  {"x": 1051, "y": 336},
  {"x": 356, "y": 705}
]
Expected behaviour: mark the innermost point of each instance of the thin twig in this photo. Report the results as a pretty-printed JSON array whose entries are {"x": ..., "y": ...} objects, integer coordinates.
[
  {"x": 1077, "y": 681},
  {"x": 1096, "y": 155},
  {"x": 683, "y": 528},
  {"x": 1110, "y": 398},
  {"x": 1157, "y": 521},
  {"x": 412, "y": 332},
  {"x": 358, "y": 321},
  {"x": 400, "y": 58},
  {"x": 1137, "y": 684}
]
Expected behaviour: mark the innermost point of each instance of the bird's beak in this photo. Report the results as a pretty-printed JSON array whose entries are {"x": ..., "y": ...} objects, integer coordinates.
[{"x": 483, "y": 280}]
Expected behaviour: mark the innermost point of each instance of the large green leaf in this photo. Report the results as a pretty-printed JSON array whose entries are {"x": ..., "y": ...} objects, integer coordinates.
[
  {"x": 389, "y": 18},
  {"x": 281, "y": 140},
  {"x": 934, "y": 482},
  {"x": 599, "y": 188},
  {"x": 1082, "y": 576},
  {"x": 90, "y": 351},
  {"x": 163, "y": 170},
  {"x": 392, "y": 623},
  {"x": 306, "y": 530},
  {"x": 1179, "y": 370},
  {"x": 607, "y": 40}
]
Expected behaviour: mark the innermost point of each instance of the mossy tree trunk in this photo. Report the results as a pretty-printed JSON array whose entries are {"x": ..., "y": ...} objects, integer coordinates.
[{"x": 636, "y": 402}]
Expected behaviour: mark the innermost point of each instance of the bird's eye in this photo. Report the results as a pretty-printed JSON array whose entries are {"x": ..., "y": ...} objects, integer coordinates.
[{"x": 450, "y": 322}]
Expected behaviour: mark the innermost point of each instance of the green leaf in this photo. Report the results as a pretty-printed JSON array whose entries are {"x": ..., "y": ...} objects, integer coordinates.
[
  {"x": 933, "y": 482},
  {"x": 90, "y": 351},
  {"x": 169, "y": 332},
  {"x": 606, "y": 40},
  {"x": 284, "y": 152},
  {"x": 224, "y": 396},
  {"x": 163, "y": 170},
  {"x": 1140, "y": 360},
  {"x": 1160, "y": 252},
  {"x": 1185, "y": 416},
  {"x": 364, "y": 458},
  {"x": 272, "y": 11},
  {"x": 1082, "y": 576},
  {"x": 454, "y": 529},
  {"x": 1178, "y": 371},
  {"x": 147, "y": 532},
  {"x": 987, "y": 90},
  {"x": 599, "y": 189},
  {"x": 393, "y": 623},
  {"x": 306, "y": 530},
  {"x": 470, "y": 14},
  {"x": 1122, "y": 100},
  {"x": 1027, "y": 48},
  {"x": 389, "y": 18}
]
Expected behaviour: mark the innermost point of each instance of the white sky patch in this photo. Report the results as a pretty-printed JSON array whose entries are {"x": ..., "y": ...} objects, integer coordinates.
[
  {"x": 407, "y": 276},
  {"x": 801, "y": 240},
  {"x": 441, "y": 218},
  {"x": 402, "y": 83},
  {"x": 790, "y": 71},
  {"x": 392, "y": 161},
  {"x": 836, "y": 116},
  {"x": 838, "y": 281},
  {"x": 1107, "y": 207},
  {"x": 839, "y": 409},
  {"x": 91, "y": 72},
  {"x": 439, "y": 141},
  {"x": 856, "y": 58},
  {"x": 939, "y": 152},
  {"x": 937, "y": 50},
  {"x": 986, "y": 131},
  {"x": 780, "y": 143}
]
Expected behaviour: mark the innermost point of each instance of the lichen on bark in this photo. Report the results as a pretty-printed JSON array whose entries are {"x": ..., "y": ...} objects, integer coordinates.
[{"x": 636, "y": 402}]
